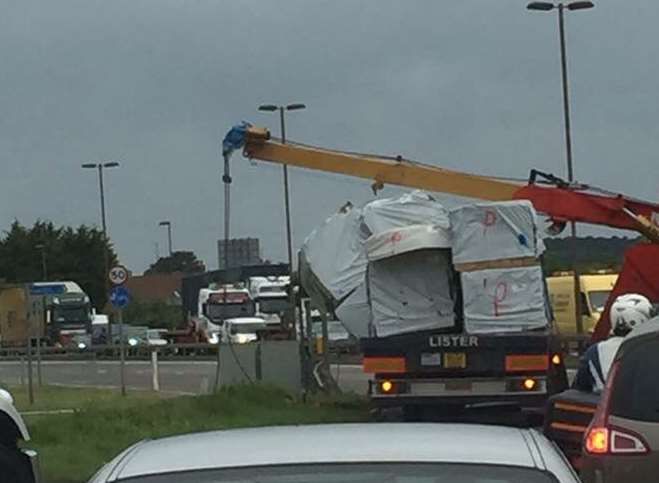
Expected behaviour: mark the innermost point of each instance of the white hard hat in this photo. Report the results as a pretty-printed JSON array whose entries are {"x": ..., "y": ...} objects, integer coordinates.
[{"x": 629, "y": 311}]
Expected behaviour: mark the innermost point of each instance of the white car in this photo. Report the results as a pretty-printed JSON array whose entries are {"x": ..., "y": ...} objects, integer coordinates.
[
  {"x": 359, "y": 453},
  {"x": 242, "y": 330}
]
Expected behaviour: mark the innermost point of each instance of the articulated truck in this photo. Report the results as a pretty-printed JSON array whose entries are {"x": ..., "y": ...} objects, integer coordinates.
[{"x": 56, "y": 313}]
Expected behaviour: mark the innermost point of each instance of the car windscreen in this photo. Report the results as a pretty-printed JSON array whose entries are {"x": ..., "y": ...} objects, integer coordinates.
[
  {"x": 71, "y": 314},
  {"x": 359, "y": 473},
  {"x": 217, "y": 312},
  {"x": 273, "y": 305},
  {"x": 598, "y": 299},
  {"x": 246, "y": 328},
  {"x": 635, "y": 390}
]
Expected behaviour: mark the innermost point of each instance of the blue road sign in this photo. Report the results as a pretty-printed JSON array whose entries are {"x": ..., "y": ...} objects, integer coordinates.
[
  {"x": 119, "y": 296},
  {"x": 47, "y": 289}
]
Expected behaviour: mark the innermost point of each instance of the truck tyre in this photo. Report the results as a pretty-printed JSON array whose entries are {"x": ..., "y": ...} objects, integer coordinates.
[{"x": 412, "y": 413}]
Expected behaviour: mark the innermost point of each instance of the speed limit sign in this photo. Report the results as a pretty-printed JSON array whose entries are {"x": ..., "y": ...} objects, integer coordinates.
[{"x": 118, "y": 275}]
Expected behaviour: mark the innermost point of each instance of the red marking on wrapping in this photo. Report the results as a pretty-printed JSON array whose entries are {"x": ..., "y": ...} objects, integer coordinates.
[
  {"x": 396, "y": 237},
  {"x": 489, "y": 220},
  {"x": 500, "y": 294}
]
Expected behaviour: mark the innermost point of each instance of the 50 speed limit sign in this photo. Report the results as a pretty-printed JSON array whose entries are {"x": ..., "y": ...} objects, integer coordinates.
[{"x": 118, "y": 275}]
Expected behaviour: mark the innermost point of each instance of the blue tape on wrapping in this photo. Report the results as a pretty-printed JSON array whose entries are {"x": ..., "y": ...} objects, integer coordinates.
[{"x": 235, "y": 138}]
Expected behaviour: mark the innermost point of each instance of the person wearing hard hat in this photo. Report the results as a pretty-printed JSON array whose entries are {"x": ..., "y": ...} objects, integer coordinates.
[{"x": 627, "y": 312}]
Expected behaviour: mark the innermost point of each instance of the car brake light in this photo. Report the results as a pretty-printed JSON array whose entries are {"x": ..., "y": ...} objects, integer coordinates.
[{"x": 597, "y": 441}]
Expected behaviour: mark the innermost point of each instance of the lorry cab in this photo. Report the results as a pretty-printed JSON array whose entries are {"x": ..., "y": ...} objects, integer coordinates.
[
  {"x": 270, "y": 297},
  {"x": 595, "y": 291},
  {"x": 219, "y": 304}
]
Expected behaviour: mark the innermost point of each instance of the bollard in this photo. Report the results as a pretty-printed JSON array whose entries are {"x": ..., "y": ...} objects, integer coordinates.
[
  {"x": 258, "y": 368},
  {"x": 154, "y": 371},
  {"x": 30, "y": 387}
]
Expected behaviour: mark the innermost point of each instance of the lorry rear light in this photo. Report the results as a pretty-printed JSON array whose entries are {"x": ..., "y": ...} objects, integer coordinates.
[
  {"x": 527, "y": 362},
  {"x": 387, "y": 386},
  {"x": 529, "y": 384},
  {"x": 387, "y": 365},
  {"x": 524, "y": 384}
]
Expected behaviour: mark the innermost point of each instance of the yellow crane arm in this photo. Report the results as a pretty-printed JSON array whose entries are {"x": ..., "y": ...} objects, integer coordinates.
[{"x": 380, "y": 170}]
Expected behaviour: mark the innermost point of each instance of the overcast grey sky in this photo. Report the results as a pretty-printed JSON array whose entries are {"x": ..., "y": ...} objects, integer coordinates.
[{"x": 470, "y": 84}]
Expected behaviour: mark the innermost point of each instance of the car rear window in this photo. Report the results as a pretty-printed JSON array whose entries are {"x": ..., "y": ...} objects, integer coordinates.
[
  {"x": 635, "y": 391},
  {"x": 358, "y": 473}
]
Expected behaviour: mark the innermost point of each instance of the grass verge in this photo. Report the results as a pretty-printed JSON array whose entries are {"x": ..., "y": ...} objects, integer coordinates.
[
  {"x": 73, "y": 446},
  {"x": 52, "y": 398}
]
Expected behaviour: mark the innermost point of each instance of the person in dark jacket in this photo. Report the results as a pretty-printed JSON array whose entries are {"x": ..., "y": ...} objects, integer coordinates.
[{"x": 627, "y": 312}]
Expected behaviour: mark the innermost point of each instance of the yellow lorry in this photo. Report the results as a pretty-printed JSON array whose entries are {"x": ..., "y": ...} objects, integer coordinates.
[{"x": 595, "y": 290}]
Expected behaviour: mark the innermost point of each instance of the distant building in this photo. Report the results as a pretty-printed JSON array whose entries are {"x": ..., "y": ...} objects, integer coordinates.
[
  {"x": 156, "y": 287},
  {"x": 241, "y": 251}
]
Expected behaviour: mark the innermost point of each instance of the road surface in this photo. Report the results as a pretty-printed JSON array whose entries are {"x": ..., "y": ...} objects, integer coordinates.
[{"x": 184, "y": 377}]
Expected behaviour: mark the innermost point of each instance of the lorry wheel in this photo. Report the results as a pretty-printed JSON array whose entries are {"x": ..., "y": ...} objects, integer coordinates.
[{"x": 412, "y": 413}]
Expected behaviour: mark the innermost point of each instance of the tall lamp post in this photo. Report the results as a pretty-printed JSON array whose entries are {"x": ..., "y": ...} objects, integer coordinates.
[
  {"x": 168, "y": 224},
  {"x": 101, "y": 167},
  {"x": 282, "y": 122},
  {"x": 44, "y": 266},
  {"x": 560, "y": 7}
]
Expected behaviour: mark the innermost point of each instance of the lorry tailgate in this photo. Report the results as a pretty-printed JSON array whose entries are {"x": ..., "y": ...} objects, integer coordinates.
[{"x": 445, "y": 355}]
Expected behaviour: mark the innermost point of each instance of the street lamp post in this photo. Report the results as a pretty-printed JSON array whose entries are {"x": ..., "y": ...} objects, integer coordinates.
[
  {"x": 168, "y": 224},
  {"x": 106, "y": 254},
  {"x": 287, "y": 206},
  {"x": 44, "y": 267},
  {"x": 572, "y": 6}
]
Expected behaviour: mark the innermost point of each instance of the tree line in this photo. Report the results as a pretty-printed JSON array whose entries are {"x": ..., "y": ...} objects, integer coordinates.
[{"x": 63, "y": 253}]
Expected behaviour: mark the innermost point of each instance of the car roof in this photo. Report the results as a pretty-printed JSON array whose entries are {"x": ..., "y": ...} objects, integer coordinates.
[
  {"x": 335, "y": 443},
  {"x": 640, "y": 335}
]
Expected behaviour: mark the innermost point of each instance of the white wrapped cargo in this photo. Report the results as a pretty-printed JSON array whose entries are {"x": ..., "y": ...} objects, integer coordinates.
[
  {"x": 409, "y": 280},
  {"x": 355, "y": 312},
  {"x": 415, "y": 208},
  {"x": 499, "y": 300},
  {"x": 402, "y": 240},
  {"x": 334, "y": 253},
  {"x": 493, "y": 231}
]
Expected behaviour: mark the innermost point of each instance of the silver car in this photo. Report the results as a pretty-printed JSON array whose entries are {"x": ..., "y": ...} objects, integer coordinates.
[{"x": 360, "y": 453}]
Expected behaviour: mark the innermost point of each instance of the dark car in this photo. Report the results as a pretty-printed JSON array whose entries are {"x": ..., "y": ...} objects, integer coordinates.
[{"x": 622, "y": 441}]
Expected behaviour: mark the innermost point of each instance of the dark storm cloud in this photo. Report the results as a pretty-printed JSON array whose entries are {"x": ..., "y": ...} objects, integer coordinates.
[{"x": 155, "y": 84}]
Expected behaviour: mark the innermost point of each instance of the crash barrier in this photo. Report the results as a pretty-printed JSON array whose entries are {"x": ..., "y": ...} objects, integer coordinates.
[{"x": 270, "y": 362}]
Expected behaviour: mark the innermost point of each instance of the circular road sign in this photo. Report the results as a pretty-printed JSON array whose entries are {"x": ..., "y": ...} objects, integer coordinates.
[
  {"x": 118, "y": 275},
  {"x": 119, "y": 296}
]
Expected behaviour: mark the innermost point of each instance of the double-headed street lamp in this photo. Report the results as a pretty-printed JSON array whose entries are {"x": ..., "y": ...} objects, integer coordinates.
[
  {"x": 560, "y": 7},
  {"x": 168, "y": 224},
  {"x": 101, "y": 167},
  {"x": 282, "y": 109}
]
